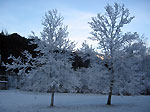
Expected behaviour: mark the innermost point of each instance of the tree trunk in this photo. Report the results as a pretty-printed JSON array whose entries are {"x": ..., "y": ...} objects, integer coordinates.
[
  {"x": 109, "y": 97},
  {"x": 52, "y": 98},
  {"x": 111, "y": 86}
]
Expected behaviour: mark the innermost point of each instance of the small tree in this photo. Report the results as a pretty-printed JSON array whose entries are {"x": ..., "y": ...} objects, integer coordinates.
[
  {"x": 107, "y": 30},
  {"x": 19, "y": 65}
]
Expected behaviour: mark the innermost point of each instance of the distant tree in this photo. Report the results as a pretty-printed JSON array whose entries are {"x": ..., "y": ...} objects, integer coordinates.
[
  {"x": 88, "y": 53},
  {"x": 107, "y": 30},
  {"x": 83, "y": 56},
  {"x": 132, "y": 77},
  {"x": 4, "y": 32}
]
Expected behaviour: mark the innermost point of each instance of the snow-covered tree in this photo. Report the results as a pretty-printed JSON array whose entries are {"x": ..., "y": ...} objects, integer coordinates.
[
  {"x": 51, "y": 68},
  {"x": 107, "y": 30},
  {"x": 87, "y": 52},
  {"x": 54, "y": 50},
  {"x": 129, "y": 66},
  {"x": 52, "y": 75},
  {"x": 20, "y": 65},
  {"x": 54, "y": 32}
]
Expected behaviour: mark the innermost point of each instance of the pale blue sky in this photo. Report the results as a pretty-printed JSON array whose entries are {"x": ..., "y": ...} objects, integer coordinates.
[{"x": 24, "y": 16}]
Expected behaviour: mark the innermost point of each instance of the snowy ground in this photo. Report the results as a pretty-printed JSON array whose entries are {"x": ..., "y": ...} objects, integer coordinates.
[{"x": 21, "y": 101}]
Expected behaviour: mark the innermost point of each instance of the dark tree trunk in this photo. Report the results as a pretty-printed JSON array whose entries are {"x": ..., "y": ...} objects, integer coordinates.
[
  {"x": 52, "y": 98},
  {"x": 109, "y": 97},
  {"x": 111, "y": 86}
]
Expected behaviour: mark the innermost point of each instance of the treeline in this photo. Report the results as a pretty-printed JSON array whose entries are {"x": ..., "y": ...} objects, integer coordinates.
[{"x": 14, "y": 44}]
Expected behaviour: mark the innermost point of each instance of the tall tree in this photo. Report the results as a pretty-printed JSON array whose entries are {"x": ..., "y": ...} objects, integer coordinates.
[
  {"x": 51, "y": 68},
  {"x": 54, "y": 51},
  {"x": 107, "y": 30}
]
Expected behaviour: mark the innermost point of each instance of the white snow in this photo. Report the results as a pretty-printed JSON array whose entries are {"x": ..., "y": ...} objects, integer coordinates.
[{"x": 22, "y": 101}]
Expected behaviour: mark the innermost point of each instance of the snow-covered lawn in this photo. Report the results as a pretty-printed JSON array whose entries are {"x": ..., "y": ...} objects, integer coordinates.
[{"x": 21, "y": 101}]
